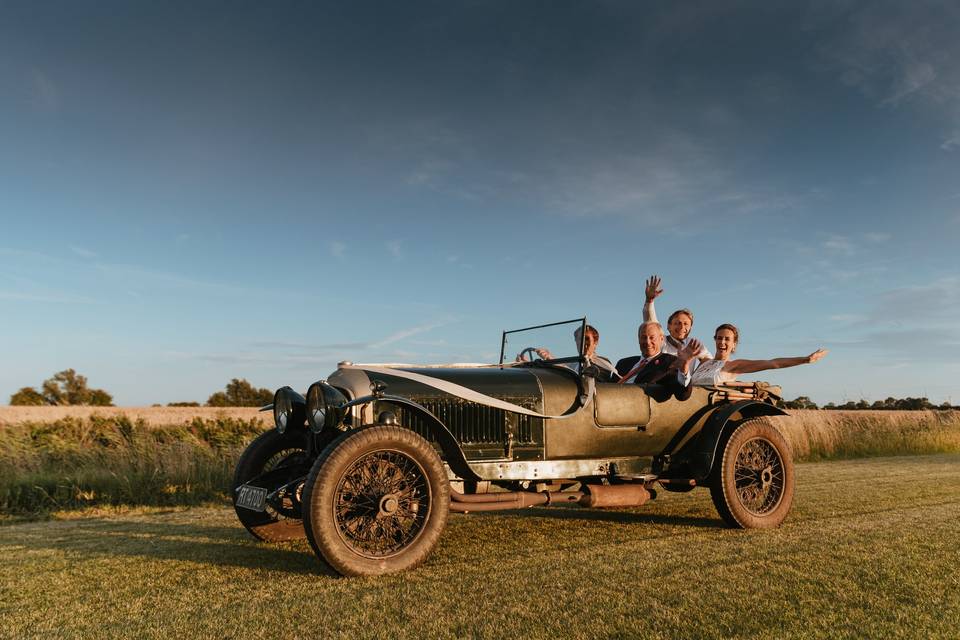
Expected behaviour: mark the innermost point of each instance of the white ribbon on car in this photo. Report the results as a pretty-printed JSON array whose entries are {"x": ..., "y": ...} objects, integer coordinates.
[{"x": 469, "y": 394}]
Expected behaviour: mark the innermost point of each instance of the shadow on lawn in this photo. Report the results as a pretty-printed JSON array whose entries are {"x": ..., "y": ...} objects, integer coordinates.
[
  {"x": 206, "y": 544},
  {"x": 620, "y": 517}
]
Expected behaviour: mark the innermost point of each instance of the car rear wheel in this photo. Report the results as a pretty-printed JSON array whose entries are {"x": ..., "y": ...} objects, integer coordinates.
[
  {"x": 752, "y": 481},
  {"x": 272, "y": 461},
  {"x": 376, "y": 501}
]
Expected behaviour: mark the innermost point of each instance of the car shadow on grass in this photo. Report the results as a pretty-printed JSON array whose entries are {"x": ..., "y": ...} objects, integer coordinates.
[
  {"x": 619, "y": 517},
  {"x": 158, "y": 540}
]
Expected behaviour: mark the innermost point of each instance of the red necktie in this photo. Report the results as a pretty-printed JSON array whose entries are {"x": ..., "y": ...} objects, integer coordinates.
[{"x": 633, "y": 371}]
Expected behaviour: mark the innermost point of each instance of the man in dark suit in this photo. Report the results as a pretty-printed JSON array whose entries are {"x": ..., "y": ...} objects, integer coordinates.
[{"x": 664, "y": 372}]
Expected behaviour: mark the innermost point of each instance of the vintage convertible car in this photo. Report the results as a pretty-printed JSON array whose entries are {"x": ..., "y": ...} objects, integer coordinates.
[{"x": 370, "y": 461}]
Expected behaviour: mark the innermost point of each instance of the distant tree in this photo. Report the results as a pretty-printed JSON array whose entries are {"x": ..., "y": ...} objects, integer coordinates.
[
  {"x": 100, "y": 398},
  {"x": 66, "y": 387},
  {"x": 900, "y": 404},
  {"x": 28, "y": 396},
  {"x": 186, "y": 404},
  {"x": 240, "y": 393},
  {"x": 914, "y": 404},
  {"x": 802, "y": 402}
]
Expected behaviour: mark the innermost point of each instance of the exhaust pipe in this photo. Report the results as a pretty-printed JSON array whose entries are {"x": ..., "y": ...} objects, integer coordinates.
[
  {"x": 595, "y": 496},
  {"x": 464, "y": 503},
  {"x": 600, "y": 496}
]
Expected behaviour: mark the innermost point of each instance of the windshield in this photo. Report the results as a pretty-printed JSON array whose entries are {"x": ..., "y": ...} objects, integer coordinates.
[{"x": 555, "y": 341}]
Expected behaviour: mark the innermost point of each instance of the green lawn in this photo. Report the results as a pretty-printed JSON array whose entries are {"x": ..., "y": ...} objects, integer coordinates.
[{"x": 871, "y": 549}]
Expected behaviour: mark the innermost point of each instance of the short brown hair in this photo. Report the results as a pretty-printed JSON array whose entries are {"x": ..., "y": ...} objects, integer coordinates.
[
  {"x": 688, "y": 313},
  {"x": 730, "y": 327},
  {"x": 593, "y": 333}
]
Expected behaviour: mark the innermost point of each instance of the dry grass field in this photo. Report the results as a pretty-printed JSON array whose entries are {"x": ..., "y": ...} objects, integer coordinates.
[
  {"x": 153, "y": 416},
  {"x": 820, "y": 435},
  {"x": 62, "y": 458}
]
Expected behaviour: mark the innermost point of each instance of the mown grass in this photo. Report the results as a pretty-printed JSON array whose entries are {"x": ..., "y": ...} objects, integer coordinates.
[
  {"x": 870, "y": 550},
  {"x": 78, "y": 463}
]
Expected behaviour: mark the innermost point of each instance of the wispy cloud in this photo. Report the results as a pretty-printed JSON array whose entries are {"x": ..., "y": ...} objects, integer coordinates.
[
  {"x": 900, "y": 53},
  {"x": 902, "y": 344},
  {"x": 337, "y": 249},
  {"x": 65, "y": 298},
  {"x": 669, "y": 185},
  {"x": 411, "y": 331},
  {"x": 26, "y": 254},
  {"x": 283, "y": 345},
  {"x": 847, "y": 317},
  {"x": 84, "y": 253},
  {"x": 142, "y": 277},
  {"x": 395, "y": 247},
  {"x": 925, "y": 304},
  {"x": 877, "y": 237},
  {"x": 44, "y": 92},
  {"x": 839, "y": 244},
  {"x": 294, "y": 353}
]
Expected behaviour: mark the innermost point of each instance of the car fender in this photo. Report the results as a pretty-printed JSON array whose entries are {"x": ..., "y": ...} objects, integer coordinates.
[
  {"x": 453, "y": 454},
  {"x": 703, "y": 450}
]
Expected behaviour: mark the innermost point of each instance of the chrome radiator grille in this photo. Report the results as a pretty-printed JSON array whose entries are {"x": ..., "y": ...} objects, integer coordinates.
[{"x": 472, "y": 423}]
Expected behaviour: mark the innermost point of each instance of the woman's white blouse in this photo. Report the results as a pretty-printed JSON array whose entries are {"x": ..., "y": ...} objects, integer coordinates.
[{"x": 711, "y": 372}]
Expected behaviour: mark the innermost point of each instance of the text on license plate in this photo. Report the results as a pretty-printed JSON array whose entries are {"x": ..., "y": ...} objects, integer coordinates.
[{"x": 250, "y": 497}]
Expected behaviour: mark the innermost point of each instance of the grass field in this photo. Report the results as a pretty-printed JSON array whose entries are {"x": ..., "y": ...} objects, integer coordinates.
[{"x": 871, "y": 550}]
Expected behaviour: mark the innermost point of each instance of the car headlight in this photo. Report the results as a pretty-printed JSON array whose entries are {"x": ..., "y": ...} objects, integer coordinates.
[
  {"x": 288, "y": 409},
  {"x": 324, "y": 406}
]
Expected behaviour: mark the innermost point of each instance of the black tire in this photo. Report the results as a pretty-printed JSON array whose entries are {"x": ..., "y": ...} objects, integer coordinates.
[
  {"x": 376, "y": 501},
  {"x": 752, "y": 480},
  {"x": 267, "y": 452}
]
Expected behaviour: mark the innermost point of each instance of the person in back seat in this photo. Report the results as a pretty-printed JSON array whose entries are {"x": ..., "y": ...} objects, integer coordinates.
[
  {"x": 653, "y": 366},
  {"x": 722, "y": 369},
  {"x": 678, "y": 325}
]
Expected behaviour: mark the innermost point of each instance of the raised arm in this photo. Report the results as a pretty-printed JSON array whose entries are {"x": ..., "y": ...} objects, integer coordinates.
[
  {"x": 753, "y": 366},
  {"x": 651, "y": 291}
]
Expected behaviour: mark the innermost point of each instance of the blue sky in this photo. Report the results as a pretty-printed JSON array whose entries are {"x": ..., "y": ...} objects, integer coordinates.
[{"x": 195, "y": 191}]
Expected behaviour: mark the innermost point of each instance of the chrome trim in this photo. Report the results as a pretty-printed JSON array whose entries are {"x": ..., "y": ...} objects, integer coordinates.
[{"x": 555, "y": 469}]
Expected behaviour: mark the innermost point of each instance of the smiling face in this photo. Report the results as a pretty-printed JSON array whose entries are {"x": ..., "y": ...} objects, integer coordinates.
[
  {"x": 651, "y": 339},
  {"x": 679, "y": 325},
  {"x": 726, "y": 340}
]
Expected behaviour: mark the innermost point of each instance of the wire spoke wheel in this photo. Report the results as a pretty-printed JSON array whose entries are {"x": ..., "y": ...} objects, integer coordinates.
[
  {"x": 382, "y": 503},
  {"x": 376, "y": 501},
  {"x": 273, "y": 451},
  {"x": 751, "y": 482},
  {"x": 759, "y": 476}
]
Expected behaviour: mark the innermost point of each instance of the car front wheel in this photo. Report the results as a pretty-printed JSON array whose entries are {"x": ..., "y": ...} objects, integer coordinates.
[
  {"x": 752, "y": 481},
  {"x": 376, "y": 501},
  {"x": 272, "y": 461}
]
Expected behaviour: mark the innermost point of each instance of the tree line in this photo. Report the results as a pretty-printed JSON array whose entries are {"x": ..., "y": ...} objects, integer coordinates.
[
  {"x": 890, "y": 404},
  {"x": 68, "y": 388}
]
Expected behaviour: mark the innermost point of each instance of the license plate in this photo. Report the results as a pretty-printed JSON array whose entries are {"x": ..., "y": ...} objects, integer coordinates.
[{"x": 253, "y": 498}]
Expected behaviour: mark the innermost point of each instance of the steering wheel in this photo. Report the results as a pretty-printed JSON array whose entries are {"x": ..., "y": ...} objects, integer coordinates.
[{"x": 528, "y": 355}]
